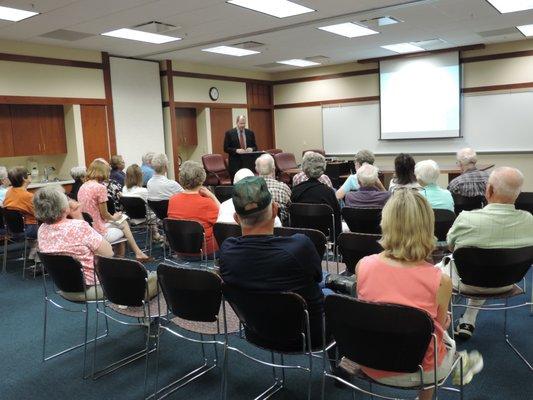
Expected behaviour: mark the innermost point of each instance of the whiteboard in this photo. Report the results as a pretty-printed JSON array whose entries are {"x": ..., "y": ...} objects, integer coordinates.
[{"x": 501, "y": 122}]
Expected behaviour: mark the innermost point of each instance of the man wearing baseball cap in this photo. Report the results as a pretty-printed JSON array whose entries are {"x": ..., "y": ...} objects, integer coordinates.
[{"x": 260, "y": 261}]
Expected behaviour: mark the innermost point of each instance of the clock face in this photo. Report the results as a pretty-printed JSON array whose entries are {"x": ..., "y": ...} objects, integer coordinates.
[{"x": 213, "y": 93}]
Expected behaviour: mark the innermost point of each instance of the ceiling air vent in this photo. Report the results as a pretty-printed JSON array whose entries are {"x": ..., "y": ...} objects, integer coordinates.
[
  {"x": 156, "y": 27},
  {"x": 318, "y": 59},
  {"x": 64, "y": 34},
  {"x": 249, "y": 45},
  {"x": 429, "y": 44},
  {"x": 499, "y": 32},
  {"x": 270, "y": 65}
]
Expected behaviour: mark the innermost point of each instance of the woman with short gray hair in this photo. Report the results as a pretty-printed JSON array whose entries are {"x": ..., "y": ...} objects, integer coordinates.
[
  {"x": 4, "y": 183},
  {"x": 78, "y": 174},
  {"x": 313, "y": 165},
  {"x": 73, "y": 237},
  {"x": 196, "y": 203},
  {"x": 302, "y": 176},
  {"x": 427, "y": 172},
  {"x": 159, "y": 186}
]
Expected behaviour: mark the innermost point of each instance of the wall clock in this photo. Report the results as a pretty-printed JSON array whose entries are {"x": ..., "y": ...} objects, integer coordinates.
[{"x": 213, "y": 93}]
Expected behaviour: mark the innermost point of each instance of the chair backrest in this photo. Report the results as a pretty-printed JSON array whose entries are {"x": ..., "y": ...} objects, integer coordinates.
[
  {"x": 215, "y": 168},
  {"x": 223, "y": 230},
  {"x": 274, "y": 151},
  {"x": 66, "y": 272},
  {"x": 87, "y": 218},
  {"x": 2, "y": 222},
  {"x": 191, "y": 294},
  {"x": 184, "y": 236},
  {"x": 353, "y": 246},
  {"x": 318, "y": 238},
  {"x": 463, "y": 203},
  {"x": 159, "y": 207},
  {"x": 525, "y": 202},
  {"x": 313, "y": 216},
  {"x": 14, "y": 221},
  {"x": 134, "y": 207},
  {"x": 223, "y": 192},
  {"x": 111, "y": 209},
  {"x": 492, "y": 268},
  {"x": 319, "y": 151},
  {"x": 363, "y": 220},
  {"x": 444, "y": 220},
  {"x": 285, "y": 161},
  {"x": 123, "y": 281},
  {"x": 273, "y": 321},
  {"x": 386, "y": 337}
]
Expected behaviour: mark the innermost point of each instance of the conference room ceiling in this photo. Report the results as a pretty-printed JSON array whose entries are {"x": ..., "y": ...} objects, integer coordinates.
[{"x": 209, "y": 23}]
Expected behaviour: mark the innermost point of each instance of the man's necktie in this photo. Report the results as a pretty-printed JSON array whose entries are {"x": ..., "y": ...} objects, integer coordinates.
[{"x": 242, "y": 140}]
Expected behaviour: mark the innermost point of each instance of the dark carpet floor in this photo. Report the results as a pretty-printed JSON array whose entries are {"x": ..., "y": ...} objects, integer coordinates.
[{"x": 24, "y": 376}]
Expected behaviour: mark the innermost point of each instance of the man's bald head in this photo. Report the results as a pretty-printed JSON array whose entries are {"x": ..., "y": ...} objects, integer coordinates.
[{"x": 504, "y": 186}]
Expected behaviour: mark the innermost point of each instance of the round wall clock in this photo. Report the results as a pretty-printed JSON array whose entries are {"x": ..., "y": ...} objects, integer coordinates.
[{"x": 213, "y": 93}]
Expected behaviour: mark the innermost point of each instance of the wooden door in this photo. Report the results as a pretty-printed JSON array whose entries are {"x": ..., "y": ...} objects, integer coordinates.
[
  {"x": 260, "y": 121},
  {"x": 221, "y": 121},
  {"x": 25, "y": 121},
  {"x": 52, "y": 119},
  {"x": 6, "y": 132},
  {"x": 186, "y": 126},
  {"x": 95, "y": 134}
]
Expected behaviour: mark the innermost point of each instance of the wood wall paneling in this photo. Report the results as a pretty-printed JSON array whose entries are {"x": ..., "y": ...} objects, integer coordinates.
[
  {"x": 173, "y": 124},
  {"x": 260, "y": 121},
  {"x": 53, "y": 131},
  {"x": 221, "y": 121},
  {"x": 49, "y": 61},
  {"x": 95, "y": 134},
  {"x": 6, "y": 132},
  {"x": 27, "y": 139},
  {"x": 109, "y": 99},
  {"x": 186, "y": 129}
]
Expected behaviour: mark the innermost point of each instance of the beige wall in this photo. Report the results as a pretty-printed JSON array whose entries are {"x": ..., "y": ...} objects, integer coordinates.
[{"x": 197, "y": 90}]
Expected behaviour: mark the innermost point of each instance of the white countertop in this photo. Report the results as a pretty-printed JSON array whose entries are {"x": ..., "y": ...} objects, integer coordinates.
[{"x": 36, "y": 185}]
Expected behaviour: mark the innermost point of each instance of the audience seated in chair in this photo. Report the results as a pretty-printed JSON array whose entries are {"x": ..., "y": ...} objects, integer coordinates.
[
  {"x": 4, "y": 184},
  {"x": 302, "y": 176},
  {"x": 498, "y": 225},
  {"x": 371, "y": 193},
  {"x": 281, "y": 193},
  {"x": 404, "y": 173},
  {"x": 400, "y": 275},
  {"x": 196, "y": 203},
  {"x": 472, "y": 181},
  {"x": 351, "y": 184},
  {"x": 260, "y": 261},
  {"x": 18, "y": 198},
  {"x": 427, "y": 172},
  {"x": 313, "y": 191},
  {"x": 72, "y": 237},
  {"x": 78, "y": 174},
  {"x": 146, "y": 167},
  {"x": 159, "y": 186},
  {"x": 93, "y": 199},
  {"x": 117, "y": 169}
]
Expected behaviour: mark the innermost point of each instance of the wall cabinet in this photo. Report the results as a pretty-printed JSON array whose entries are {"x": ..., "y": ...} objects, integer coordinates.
[
  {"x": 32, "y": 130},
  {"x": 186, "y": 126}
]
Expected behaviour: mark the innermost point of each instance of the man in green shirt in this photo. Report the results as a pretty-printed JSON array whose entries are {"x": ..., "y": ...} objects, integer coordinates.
[{"x": 497, "y": 225}]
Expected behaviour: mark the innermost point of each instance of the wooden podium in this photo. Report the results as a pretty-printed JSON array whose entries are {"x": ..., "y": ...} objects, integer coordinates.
[{"x": 248, "y": 159}]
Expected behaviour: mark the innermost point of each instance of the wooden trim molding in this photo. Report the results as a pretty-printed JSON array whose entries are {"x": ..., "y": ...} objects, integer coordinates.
[
  {"x": 50, "y": 61},
  {"x": 326, "y": 102},
  {"x": 422, "y": 53},
  {"x": 187, "y": 104},
  {"x": 173, "y": 122},
  {"x": 109, "y": 109},
  {"x": 492, "y": 88},
  {"x": 329, "y": 76},
  {"x": 215, "y": 77},
  {"x": 51, "y": 100},
  {"x": 499, "y": 56}
]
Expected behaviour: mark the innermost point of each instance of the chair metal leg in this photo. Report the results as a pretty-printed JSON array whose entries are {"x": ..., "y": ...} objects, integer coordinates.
[
  {"x": 4, "y": 260},
  {"x": 511, "y": 345},
  {"x": 24, "y": 256}
]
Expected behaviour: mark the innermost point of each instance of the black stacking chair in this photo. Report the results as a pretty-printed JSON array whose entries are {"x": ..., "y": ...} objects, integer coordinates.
[
  {"x": 354, "y": 246},
  {"x": 371, "y": 335},
  {"x": 463, "y": 203},
  {"x": 318, "y": 238},
  {"x": 126, "y": 289},
  {"x": 185, "y": 237},
  {"x": 111, "y": 209},
  {"x": 223, "y": 192},
  {"x": 194, "y": 299},
  {"x": 67, "y": 276},
  {"x": 135, "y": 209},
  {"x": 159, "y": 207},
  {"x": 3, "y": 238},
  {"x": 223, "y": 230},
  {"x": 275, "y": 322},
  {"x": 87, "y": 218},
  {"x": 493, "y": 268},
  {"x": 444, "y": 220},
  {"x": 363, "y": 220},
  {"x": 525, "y": 202},
  {"x": 15, "y": 232}
]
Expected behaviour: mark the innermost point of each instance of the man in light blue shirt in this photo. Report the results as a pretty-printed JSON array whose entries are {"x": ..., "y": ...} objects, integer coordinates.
[
  {"x": 146, "y": 167},
  {"x": 427, "y": 172},
  {"x": 351, "y": 184}
]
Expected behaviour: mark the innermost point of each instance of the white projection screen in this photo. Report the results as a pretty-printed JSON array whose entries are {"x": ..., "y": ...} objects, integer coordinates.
[{"x": 420, "y": 97}]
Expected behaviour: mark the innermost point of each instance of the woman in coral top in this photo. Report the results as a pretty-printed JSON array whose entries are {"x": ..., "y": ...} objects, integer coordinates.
[
  {"x": 401, "y": 275},
  {"x": 196, "y": 202},
  {"x": 18, "y": 198}
]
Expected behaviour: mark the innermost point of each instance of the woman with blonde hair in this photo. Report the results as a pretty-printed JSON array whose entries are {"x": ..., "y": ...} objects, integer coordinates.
[
  {"x": 93, "y": 199},
  {"x": 401, "y": 275}
]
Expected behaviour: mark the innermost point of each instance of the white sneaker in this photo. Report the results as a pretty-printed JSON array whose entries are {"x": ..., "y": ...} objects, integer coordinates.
[{"x": 472, "y": 364}]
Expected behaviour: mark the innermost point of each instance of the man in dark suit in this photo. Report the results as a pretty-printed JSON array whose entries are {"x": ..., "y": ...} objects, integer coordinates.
[{"x": 237, "y": 141}]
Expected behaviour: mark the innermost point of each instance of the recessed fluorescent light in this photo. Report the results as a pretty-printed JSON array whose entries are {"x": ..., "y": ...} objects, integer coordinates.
[
  {"x": 383, "y": 21},
  {"x": 508, "y": 6},
  {"x": 231, "y": 51},
  {"x": 277, "y": 8},
  {"x": 140, "y": 36},
  {"x": 297, "y": 62},
  {"x": 403, "y": 48},
  {"x": 348, "y": 29},
  {"x": 14, "y": 14},
  {"x": 527, "y": 30}
]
